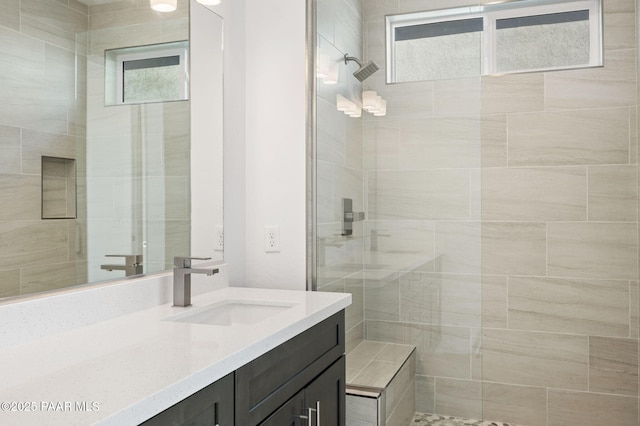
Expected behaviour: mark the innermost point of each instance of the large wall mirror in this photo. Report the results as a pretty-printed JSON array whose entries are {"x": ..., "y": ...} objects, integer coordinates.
[{"x": 109, "y": 166}]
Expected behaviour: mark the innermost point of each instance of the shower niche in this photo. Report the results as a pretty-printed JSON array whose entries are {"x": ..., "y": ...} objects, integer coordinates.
[{"x": 59, "y": 189}]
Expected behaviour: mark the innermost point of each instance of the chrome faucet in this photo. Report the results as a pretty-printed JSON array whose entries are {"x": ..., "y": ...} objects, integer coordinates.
[
  {"x": 132, "y": 264},
  {"x": 182, "y": 271}
]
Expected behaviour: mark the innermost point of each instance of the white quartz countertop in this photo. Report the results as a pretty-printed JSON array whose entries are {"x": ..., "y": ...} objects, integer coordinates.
[{"x": 125, "y": 370}]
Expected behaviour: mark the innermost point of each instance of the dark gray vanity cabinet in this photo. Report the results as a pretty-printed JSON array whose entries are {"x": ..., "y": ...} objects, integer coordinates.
[
  {"x": 286, "y": 384},
  {"x": 321, "y": 403},
  {"x": 297, "y": 383},
  {"x": 211, "y": 406}
]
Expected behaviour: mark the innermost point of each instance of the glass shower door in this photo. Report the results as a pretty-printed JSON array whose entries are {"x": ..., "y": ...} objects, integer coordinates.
[{"x": 412, "y": 265}]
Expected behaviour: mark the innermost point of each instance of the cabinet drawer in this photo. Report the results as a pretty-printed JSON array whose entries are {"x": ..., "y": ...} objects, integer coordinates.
[{"x": 269, "y": 381}]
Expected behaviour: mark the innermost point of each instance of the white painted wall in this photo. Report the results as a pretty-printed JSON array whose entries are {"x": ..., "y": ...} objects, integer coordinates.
[
  {"x": 264, "y": 151},
  {"x": 275, "y": 141}
]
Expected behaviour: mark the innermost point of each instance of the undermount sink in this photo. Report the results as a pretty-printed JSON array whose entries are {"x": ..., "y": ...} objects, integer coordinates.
[{"x": 233, "y": 312}]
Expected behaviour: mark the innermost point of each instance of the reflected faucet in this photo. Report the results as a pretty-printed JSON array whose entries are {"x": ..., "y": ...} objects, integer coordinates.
[
  {"x": 182, "y": 271},
  {"x": 132, "y": 264}
]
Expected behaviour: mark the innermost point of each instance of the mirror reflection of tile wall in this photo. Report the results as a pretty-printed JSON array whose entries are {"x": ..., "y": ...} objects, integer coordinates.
[
  {"x": 137, "y": 155},
  {"x": 52, "y": 105},
  {"x": 38, "y": 116}
]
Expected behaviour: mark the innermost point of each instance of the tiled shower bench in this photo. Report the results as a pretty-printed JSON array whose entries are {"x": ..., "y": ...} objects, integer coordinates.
[{"x": 381, "y": 384}]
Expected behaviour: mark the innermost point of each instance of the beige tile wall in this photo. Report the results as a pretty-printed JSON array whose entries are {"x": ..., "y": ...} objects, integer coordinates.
[
  {"x": 41, "y": 97},
  {"x": 530, "y": 184}
]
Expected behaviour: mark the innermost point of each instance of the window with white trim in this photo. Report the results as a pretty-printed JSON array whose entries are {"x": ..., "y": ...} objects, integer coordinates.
[
  {"x": 144, "y": 74},
  {"x": 512, "y": 37}
]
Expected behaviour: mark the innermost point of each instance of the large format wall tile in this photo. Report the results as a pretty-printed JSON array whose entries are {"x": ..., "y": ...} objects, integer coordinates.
[
  {"x": 381, "y": 145},
  {"x": 48, "y": 277},
  {"x": 613, "y": 365},
  {"x": 405, "y": 101},
  {"x": 608, "y": 86},
  {"x": 440, "y": 143},
  {"x": 399, "y": 243},
  {"x": 19, "y": 197},
  {"x": 140, "y": 34},
  {"x": 634, "y": 310},
  {"x": 10, "y": 283},
  {"x": 513, "y": 93},
  {"x": 381, "y": 295},
  {"x": 569, "y": 305},
  {"x": 36, "y": 144},
  {"x": 542, "y": 193},
  {"x": 10, "y": 150},
  {"x": 535, "y": 359},
  {"x": 514, "y": 248},
  {"x": 494, "y": 301},
  {"x": 521, "y": 405},
  {"x": 442, "y": 351},
  {"x": 613, "y": 193},
  {"x": 461, "y": 398},
  {"x": 619, "y": 24},
  {"x": 10, "y": 16},
  {"x": 52, "y": 21},
  {"x": 425, "y": 394},
  {"x": 386, "y": 331},
  {"x": 590, "y": 409},
  {"x": 494, "y": 140},
  {"x": 459, "y": 246},
  {"x": 436, "y": 298},
  {"x": 354, "y": 284},
  {"x": 458, "y": 97},
  {"x": 593, "y": 250},
  {"x": 417, "y": 194},
  {"x": 33, "y": 243},
  {"x": 569, "y": 137},
  {"x": 114, "y": 17}
]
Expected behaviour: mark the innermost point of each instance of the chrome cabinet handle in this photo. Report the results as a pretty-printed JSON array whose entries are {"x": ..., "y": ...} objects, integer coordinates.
[{"x": 310, "y": 412}]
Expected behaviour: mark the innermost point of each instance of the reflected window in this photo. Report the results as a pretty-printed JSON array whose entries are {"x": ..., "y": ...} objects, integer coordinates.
[
  {"x": 523, "y": 36},
  {"x": 143, "y": 74}
]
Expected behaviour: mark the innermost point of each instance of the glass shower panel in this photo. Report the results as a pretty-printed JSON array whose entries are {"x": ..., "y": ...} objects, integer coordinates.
[{"x": 413, "y": 264}]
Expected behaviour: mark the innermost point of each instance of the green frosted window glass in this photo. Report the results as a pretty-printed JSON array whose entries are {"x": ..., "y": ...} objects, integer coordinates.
[
  {"x": 542, "y": 42},
  {"x": 433, "y": 58},
  {"x": 153, "y": 79}
]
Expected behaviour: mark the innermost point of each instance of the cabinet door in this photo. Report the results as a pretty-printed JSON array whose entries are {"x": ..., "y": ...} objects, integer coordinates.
[
  {"x": 290, "y": 414},
  {"x": 212, "y": 406},
  {"x": 325, "y": 397}
]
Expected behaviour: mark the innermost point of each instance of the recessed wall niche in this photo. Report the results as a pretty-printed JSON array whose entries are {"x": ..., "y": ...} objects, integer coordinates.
[{"x": 58, "y": 188}]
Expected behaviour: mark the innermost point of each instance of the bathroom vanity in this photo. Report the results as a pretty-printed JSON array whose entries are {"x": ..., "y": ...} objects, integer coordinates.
[
  {"x": 300, "y": 382},
  {"x": 238, "y": 356}
]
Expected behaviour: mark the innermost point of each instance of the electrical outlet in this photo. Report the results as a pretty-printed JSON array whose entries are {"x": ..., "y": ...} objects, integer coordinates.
[
  {"x": 272, "y": 239},
  {"x": 219, "y": 244}
]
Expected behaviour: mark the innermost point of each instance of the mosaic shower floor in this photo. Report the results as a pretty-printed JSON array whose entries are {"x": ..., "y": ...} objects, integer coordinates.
[{"x": 424, "y": 419}]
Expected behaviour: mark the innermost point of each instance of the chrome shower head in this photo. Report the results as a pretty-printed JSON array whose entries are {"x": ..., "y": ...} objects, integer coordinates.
[{"x": 365, "y": 71}]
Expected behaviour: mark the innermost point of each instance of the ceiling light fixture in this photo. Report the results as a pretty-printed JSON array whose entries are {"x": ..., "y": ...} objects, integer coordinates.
[{"x": 164, "y": 5}]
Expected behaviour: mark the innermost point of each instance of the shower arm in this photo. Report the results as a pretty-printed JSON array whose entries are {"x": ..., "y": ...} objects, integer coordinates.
[{"x": 348, "y": 58}]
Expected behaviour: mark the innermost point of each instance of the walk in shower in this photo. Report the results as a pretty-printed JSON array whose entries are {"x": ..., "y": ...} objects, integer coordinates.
[{"x": 499, "y": 226}]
